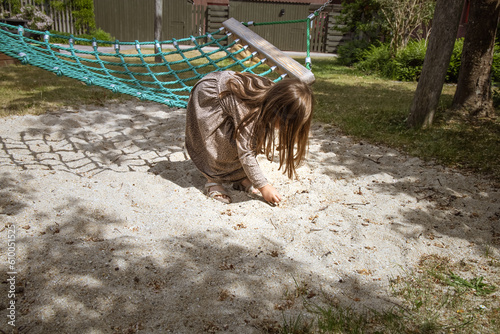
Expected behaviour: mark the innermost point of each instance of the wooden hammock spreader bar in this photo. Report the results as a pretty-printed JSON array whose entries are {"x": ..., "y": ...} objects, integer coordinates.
[{"x": 284, "y": 63}]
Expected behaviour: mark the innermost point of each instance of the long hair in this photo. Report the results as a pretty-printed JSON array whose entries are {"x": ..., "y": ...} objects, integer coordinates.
[{"x": 286, "y": 106}]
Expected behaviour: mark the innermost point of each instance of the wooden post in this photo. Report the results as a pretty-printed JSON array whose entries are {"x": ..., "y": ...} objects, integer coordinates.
[{"x": 158, "y": 22}]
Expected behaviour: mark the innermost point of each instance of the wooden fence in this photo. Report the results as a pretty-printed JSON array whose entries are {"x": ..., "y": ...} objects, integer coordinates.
[
  {"x": 130, "y": 20},
  {"x": 63, "y": 20}
]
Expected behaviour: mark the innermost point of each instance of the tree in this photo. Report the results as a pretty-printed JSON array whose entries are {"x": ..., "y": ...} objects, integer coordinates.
[
  {"x": 473, "y": 92},
  {"x": 361, "y": 17},
  {"x": 437, "y": 59},
  {"x": 405, "y": 19}
]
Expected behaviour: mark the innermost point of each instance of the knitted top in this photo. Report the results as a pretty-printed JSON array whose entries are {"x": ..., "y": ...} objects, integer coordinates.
[{"x": 210, "y": 126}]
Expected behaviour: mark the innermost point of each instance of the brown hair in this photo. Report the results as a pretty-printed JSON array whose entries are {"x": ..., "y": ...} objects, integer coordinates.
[{"x": 288, "y": 104}]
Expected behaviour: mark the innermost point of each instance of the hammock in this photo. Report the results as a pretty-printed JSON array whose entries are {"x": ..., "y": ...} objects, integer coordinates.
[{"x": 135, "y": 72}]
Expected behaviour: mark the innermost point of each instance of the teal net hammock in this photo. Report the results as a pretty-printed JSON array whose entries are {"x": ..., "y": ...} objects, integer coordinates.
[{"x": 130, "y": 67}]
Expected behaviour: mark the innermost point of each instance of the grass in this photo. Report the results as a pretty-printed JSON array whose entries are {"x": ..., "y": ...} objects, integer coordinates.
[
  {"x": 375, "y": 110},
  {"x": 439, "y": 296}
]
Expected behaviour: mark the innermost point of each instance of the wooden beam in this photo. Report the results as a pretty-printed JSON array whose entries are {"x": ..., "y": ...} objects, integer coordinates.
[{"x": 284, "y": 63}]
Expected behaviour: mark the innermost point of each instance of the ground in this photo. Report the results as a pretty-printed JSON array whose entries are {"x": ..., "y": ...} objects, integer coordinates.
[{"x": 113, "y": 233}]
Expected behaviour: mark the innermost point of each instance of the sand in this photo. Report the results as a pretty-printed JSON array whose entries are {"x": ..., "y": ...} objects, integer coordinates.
[{"x": 114, "y": 233}]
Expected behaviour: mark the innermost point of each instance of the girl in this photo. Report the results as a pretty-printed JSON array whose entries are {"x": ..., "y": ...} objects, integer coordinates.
[{"x": 232, "y": 117}]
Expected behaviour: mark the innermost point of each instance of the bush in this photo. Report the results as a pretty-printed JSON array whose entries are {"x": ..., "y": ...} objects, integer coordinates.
[
  {"x": 409, "y": 61},
  {"x": 377, "y": 59},
  {"x": 37, "y": 20},
  {"x": 496, "y": 98},
  {"x": 495, "y": 75},
  {"x": 98, "y": 34},
  {"x": 352, "y": 52},
  {"x": 455, "y": 61},
  {"x": 407, "y": 64}
]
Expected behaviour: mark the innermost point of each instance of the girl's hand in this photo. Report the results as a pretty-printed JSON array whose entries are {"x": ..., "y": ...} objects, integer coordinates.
[{"x": 270, "y": 194}]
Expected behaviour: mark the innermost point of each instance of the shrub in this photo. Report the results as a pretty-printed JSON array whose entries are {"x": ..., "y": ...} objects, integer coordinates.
[
  {"x": 377, "y": 59},
  {"x": 409, "y": 61},
  {"x": 455, "y": 61},
  {"x": 352, "y": 52},
  {"x": 99, "y": 34},
  {"x": 407, "y": 64},
  {"x": 495, "y": 75},
  {"x": 37, "y": 20},
  {"x": 496, "y": 98}
]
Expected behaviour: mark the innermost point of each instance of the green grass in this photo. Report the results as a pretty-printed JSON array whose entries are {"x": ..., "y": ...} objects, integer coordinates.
[
  {"x": 375, "y": 110},
  {"x": 30, "y": 90},
  {"x": 439, "y": 296}
]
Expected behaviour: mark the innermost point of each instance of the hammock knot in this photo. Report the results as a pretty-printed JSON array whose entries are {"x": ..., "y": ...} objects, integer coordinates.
[
  {"x": 58, "y": 71},
  {"x": 24, "y": 58},
  {"x": 88, "y": 81}
]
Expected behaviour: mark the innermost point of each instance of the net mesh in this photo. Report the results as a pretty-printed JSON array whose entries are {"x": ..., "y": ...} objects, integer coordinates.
[{"x": 164, "y": 72}]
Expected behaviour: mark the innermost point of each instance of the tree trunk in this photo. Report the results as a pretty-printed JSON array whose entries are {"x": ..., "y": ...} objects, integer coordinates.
[
  {"x": 437, "y": 59},
  {"x": 473, "y": 92},
  {"x": 158, "y": 23}
]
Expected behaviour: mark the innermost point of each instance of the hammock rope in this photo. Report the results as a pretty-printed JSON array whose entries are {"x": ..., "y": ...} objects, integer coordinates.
[{"x": 136, "y": 73}]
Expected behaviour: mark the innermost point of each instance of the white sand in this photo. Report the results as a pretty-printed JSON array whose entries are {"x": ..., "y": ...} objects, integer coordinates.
[{"x": 114, "y": 234}]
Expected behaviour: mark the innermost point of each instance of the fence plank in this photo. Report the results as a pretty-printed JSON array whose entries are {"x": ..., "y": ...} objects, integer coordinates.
[
  {"x": 130, "y": 20},
  {"x": 63, "y": 20}
]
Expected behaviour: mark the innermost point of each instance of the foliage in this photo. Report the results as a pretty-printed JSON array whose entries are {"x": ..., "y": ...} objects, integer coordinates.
[
  {"x": 82, "y": 11},
  {"x": 37, "y": 20},
  {"x": 352, "y": 51},
  {"x": 405, "y": 20},
  {"x": 361, "y": 17},
  {"x": 376, "y": 59},
  {"x": 84, "y": 14},
  {"x": 98, "y": 34},
  {"x": 496, "y": 98},
  {"x": 398, "y": 21},
  {"x": 455, "y": 61},
  {"x": 407, "y": 64},
  {"x": 409, "y": 61},
  {"x": 495, "y": 75}
]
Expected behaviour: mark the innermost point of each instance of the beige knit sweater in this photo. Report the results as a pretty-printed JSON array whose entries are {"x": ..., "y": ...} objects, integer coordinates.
[{"x": 210, "y": 125}]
